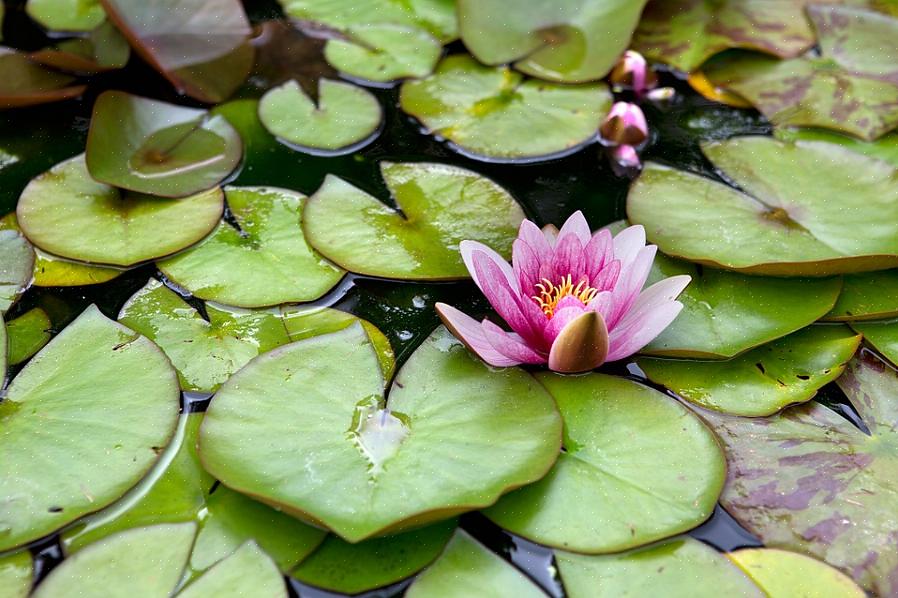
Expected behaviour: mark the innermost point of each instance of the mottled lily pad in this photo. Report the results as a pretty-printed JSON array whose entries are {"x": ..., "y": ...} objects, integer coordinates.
[
  {"x": 384, "y": 53},
  {"x": 448, "y": 417},
  {"x": 104, "y": 49},
  {"x": 257, "y": 258},
  {"x": 345, "y": 117},
  {"x": 808, "y": 480},
  {"x": 16, "y": 570},
  {"x": 247, "y": 572},
  {"x": 16, "y": 267},
  {"x": 27, "y": 335},
  {"x": 26, "y": 83},
  {"x": 495, "y": 113},
  {"x": 636, "y": 467},
  {"x": 784, "y": 573},
  {"x": 438, "y": 207},
  {"x": 807, "y": 209},
  {"x": 764, "y": 380},
  {"x": 467, "y": 568},
  {"x": 867, "y": 296},
  {"x": 569, "y": 41},
  {"x": 66, "y": 15}
]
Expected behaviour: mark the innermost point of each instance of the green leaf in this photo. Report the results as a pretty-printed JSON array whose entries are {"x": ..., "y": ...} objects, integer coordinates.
[
  {"x": 16, "y": 267},
  {"x": 104, "y": 49},
  {"x": 885, "y": 148},
  {"x": 448, "y": 417},
  {"x": 247, "y": 572},
  {"x": 26, "y": 83},
  {"x": 384, "y": 53},
  {"x": 96, "y": 403},
  {"x": 764, "y": 380},
  {"x": 882, "y": 336},
  {"x": 784, "y": 573},
  {"x": 867, "y": 296},
  {"x": 66, "y": 15},
  {"x": 27, "y": 335},
  {"x": 495, "y": 113},
  {"x": 345, "y": 117},
  {"x": 258, "y": 258},
  {"x": 16, "y": 571},
  {"x": 438, "y": 207},
  {"x": 637, "y": 466}
]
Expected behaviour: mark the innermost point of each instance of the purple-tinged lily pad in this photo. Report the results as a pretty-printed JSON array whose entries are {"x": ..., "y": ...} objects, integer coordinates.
[
  {"x": 24, "y": 82},
  {"x": 103, "y": 49}
]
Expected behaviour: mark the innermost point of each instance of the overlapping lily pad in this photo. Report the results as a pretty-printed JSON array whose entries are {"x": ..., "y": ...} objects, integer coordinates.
[
  {"x": 806, "y": 209},
  {"x": 867, "y": 296},
  {"x": 104, "y": 49},
  {"x": 26, "y": 83},
  {"x": 448, "y": 417},
  {"x": 495, "y": 113},
  {"x": 885, "y": 148},
  {"x": 344, "y": 118},
  {"x": 259, "y": 257},
  {"x": 66, "y": 15},
  {"x": 764, "y": 380},
  {"x": 569, "y": 41},
  {"x": 882, "y": 336},
  {"x": 808, "y": 480},
  {"x": 784, "y": 573},
  {"x": 438, "y": 207},
  {"x": 120, "y": 393},
  {"x": 27, "y": 335},
  {"x": 247, "y": 572},
  {"x": 16, "y": 267},
  {"x": 384, "y": 53},
  {"x": 16, "y": 570},
  {"x": 636, "y": 467}
]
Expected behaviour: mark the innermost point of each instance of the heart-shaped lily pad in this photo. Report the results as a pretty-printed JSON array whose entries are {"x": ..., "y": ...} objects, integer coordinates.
[
  {"x": 808, "y": 209},
  {"x": 259, "y": 257},
  {"x": 569, "y": 41},
  {"x": 495, "y": 113},
  {"x": 26, "y": 83},
  {"x": 66, "y": 15},
  {"x": 448, "y": 415},
  {"x": 764, "y": 380},
  {"x": 65, "y": 212},
  {"x": 27, "y": 335},
  {"x": 867, "y": 296},
  {"x": 467, "y": 568},
  {"x": 16, "y": 267},
  {"x": 247, "y": 572},
  {"x": 16, "y": 571},
  {"x": 439, "y": 206},
  {"x": 159, "y": 148},
  {"x": 636, "y": 467},
  {"x": 112, "y": 385},
  {"x": 808, "y": 480},
  {"x": 345, "y": 117},
  {"x": 104, "y": 49},
  {"x": 384, "y": 53},
  {"x": 784, "y": 573}
]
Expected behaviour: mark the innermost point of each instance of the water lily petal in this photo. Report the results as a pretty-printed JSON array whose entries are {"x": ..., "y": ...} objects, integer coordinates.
[
  {"x": 577, "y": 226},
  {"x": 640, "y": 331},
  {"x": 568, "y": 309},
  {"x": 630, "y": 282},
  {"x": 568, "y": 259},
  {"x": 598, "y": 253},
  {"x": 581, "y": 346},
  {"x": 627, "y": 244},
  {"x": 510, "y": 345},
  {"x": 537, "y": 240},
  {"x": 527, "y": 266},
  {"x": 469, "y": 248},
  {"x": 470, "y": 332}
]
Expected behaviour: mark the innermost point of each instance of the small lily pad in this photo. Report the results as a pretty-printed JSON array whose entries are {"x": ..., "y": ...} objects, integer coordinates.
[
  {"x": 26, "y": 83},
  {"x": 448, "y": 417},
  {"x": 345, "y": 117},
  {"x": 384, "y": 53},
  {"x": 27, "y": 335},
  {"x": 16, "y": 571},
  {"x": 438, "y": 207},
  {"x": 66, "y": 15},
  {"x": 247, "y": 572},
  {"x": 637, "y": 466},
  {"x": 784, "y": 573},
  {"x": 16, "y": 267},
  {"x": 259, "y": 257},
  {"x": 104, "y": 49},
  {"x": 867, "y": 296},
  {"x": 764, "y": 380},
  {"x": 495, "y": 113}
]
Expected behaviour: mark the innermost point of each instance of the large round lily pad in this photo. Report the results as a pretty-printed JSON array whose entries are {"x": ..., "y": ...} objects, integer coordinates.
[
  {"x": 384, "y": 53},
  {"x": 247, "y": 572},
  {"x": 65, "y": 212},
  {"x": 27, "y": 335},
  {"x": 16, "y": 267},
  {"x": 82, "y": 423},
  {"x": 764, "y": 380},
  {"x": 498, "y": 114},
  {"x": 16, "y": 571},
  {"x": 784, "y": 573},
  {"x": 439, "y": 206},
  {"x": 636, "y": 467},
  {"x": 448, "y": 417},
  {"x": 159, "y": 148},
  {"x": 257, "y": 258},
  {"x": 806, "y": 209},
  {"x": 867, "y": 296}
]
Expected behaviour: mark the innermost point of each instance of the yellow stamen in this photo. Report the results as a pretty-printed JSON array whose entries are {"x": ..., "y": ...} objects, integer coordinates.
[{"x": 550, "y": 294}]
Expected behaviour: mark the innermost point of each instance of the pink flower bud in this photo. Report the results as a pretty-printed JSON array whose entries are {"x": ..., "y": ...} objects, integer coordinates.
[
  {"x": 624, "y": 125},
  {"x": 626, "y": 156},
  {"x": 632, "y": 72}
]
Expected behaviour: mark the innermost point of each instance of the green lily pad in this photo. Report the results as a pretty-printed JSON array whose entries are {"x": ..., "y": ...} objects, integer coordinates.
[
  {"x": 498, "y": 114},
  {"x": 384, "y": 53},
  {"x": 784, "y": 573},
  {"x": 266, "y": 261},
  {"x": 636, "y": 467},
  {"x": 27, "y": 335},
  {"x": 448, "y": 417},
  {"x": 112, "y": 385},
  {"x": 16, "y": 267},
  {"x": 808, "y": 209},
  {"x": 440, "y": 205},
  {"x": 345, "y": 117},
  {"x": 148, "y": 559},
  {"x": 867, "y": 296},
  {"x": 882, "y": 336},
  {"x": 3, "y": 351},
  {"x": 159, "y": 148},
  {"x": 66, "y": 15},
  {"x": 16, "y": 571},
  {"x": 885, "y": 148},
  {"x": 764, "y": 380},
  {"x": 247, "y": 572},
  {"x": 467, "y": 568},
  {"x": 339, "y": 566},
  {"x": 676, "y": 568},
  {"x": 104, "y": 49},
  {"x": 65, "y": 212},
  {"x": 26, "y": 83},
  {"x": 808, "y": 480},
  {"x": 569, "y": 41}
]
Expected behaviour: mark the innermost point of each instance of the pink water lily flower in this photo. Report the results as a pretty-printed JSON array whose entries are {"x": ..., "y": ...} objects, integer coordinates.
[{"x": 573, "y": 299}]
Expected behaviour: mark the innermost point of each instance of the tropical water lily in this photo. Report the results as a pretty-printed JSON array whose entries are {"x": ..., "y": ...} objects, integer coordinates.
[{"x": 573, "y": 299}]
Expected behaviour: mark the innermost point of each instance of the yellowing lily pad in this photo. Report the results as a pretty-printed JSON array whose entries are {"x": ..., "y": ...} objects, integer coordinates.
[
  {"x": 438, "y": 207},
  {"x": 16, "y": 571},
  {"x": 495, "y": 113},
  {"x": 784, "y": 573},
  {"x": 66, "y": 15},
  {"x": 27, "y": 335},
  {"x": 637, "y": 466},
  {"x": 247, "y": 572},
  {"x": 259, "y": 257},
  {"x": 16, "y": 267},
  {"x": 384, "y": 53}
]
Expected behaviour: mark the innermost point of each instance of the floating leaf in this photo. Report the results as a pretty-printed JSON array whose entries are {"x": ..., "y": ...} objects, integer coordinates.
[
  {"x": 345, "y": 117},
  {"x": 867, "y": 296},
  {"x": 885, "y": 148},
  {"x": 882, "y": 336},
  {"x": 65, "y": 212},
  {"x": 16, "y": 571},
  {"x": 27, "y": 335},
  {"x": 26, "y": 83},
  {"x": 808, "y": 209},
  {"x": 448, "y": 417},
  {"x": 66, "y": 15},
  {"x": 16, "y": 267},
  {"x": 495, "y": 113},
  {"x": 467, "y": 568},
  {"x": 3, "y": 351},
  {"x": 569, "y": 41},
  {"x": 764, "y": 380},
  {"x": 284, "y": 53},
  {"x": 384, "y": 53},
  {"x": 247, "y": 572},
  {"x": 117, "y": 390},
  {"x": 636, "y": 467},
  {"x": 438, "y": 207},
  {"x": 784, "y": 573},
  {"x": 258, "y": 258},
  {"x": 104, "y": 49}
]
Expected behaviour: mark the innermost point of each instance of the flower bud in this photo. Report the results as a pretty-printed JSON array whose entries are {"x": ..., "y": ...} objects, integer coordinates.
[
  {"x": 626, "y": 157},
  {"x": 632, "y": 72},
  {"x": 624, "y": 125},
  {"x": 661, "y": 95}
]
